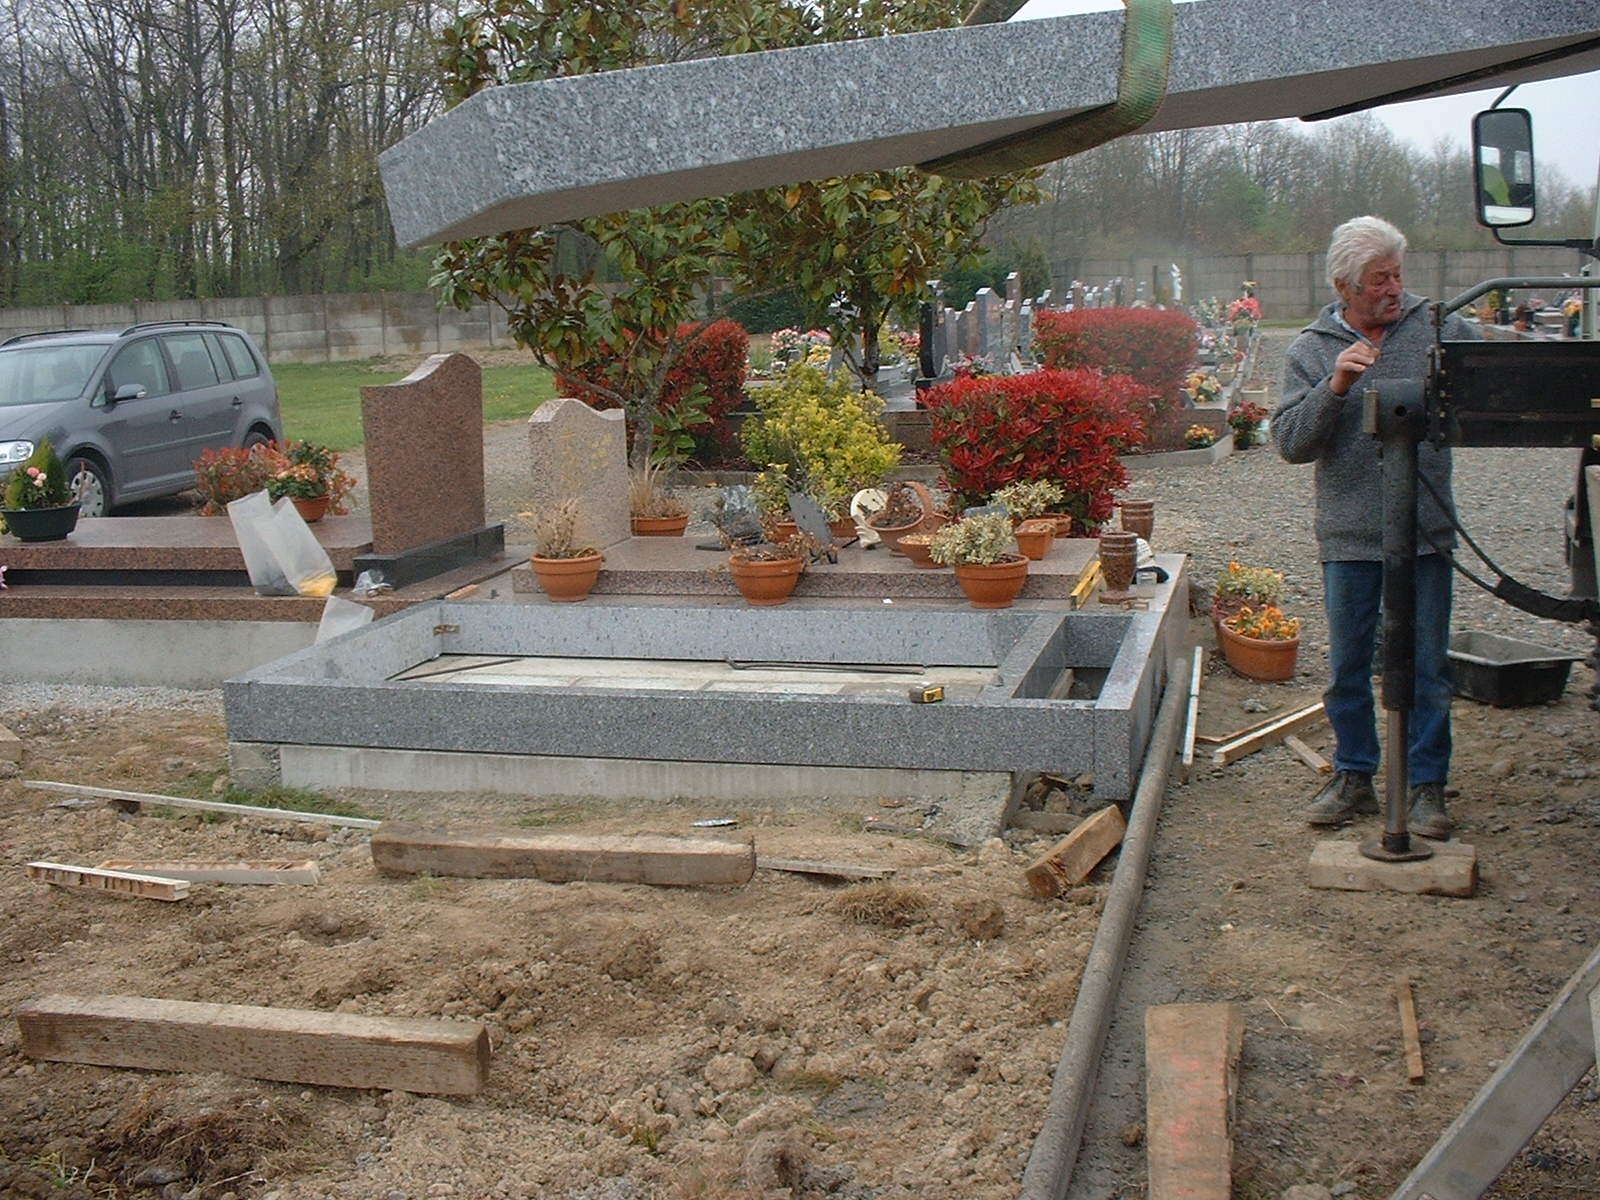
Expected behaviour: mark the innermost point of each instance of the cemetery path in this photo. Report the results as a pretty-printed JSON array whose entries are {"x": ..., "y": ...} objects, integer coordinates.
[{"x": 802, "y": 1039}]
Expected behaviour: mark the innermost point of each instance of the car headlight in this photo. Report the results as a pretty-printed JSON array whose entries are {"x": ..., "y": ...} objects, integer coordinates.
[{"x": 14, "y": 452}]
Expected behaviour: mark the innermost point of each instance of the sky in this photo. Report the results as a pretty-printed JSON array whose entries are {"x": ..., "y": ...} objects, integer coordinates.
[{"x": 1565, "y": 135}]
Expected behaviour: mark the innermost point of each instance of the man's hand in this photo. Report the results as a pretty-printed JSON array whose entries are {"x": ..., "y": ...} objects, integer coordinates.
[{"x": 1351, "y": 365}]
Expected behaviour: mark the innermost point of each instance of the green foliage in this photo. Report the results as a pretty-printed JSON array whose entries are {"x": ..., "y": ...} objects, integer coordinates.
[
  {"x": 768, "y": 312},
  {"x": 39, "y": 482},
  {"x": 823, "y": 435},
  {"x": 1030, "y": 497},
  {"x": 980, "y": 539}
]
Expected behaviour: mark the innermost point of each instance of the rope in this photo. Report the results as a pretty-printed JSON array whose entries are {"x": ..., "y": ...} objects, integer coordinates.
[{"x": 1141, "y": 87}]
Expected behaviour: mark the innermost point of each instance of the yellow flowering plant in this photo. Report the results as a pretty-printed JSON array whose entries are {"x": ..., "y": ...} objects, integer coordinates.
[
  {"x": 1198, "y": 437},
  {"x": 1267, "y": 624}
]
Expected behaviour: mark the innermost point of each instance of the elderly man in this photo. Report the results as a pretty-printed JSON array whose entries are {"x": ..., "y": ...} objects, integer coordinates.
[{"x": 1374, "y": 330}]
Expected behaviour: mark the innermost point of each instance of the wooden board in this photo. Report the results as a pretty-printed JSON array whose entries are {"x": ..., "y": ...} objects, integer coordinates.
[
  {"x": 487, "y": 853},
  {"x": 1069, "y": 861},
  {"x": 264, "y": 871},
  {"x": 1272, "y": 732},
  {"x": 1340, "y": 865},
  {"x": 10, "y": 746},
  {"x": 830, "y": 870},
  {"x": 1191, "y": 1072},
  {"x": 1308, "y": 756},
  {"x": 118, "y": 883},
  {"x": 1195, "y": 675},
  {"x": 448, "y": 1058},
  {"x": 1408, "y": 1028},
  {"x": 240, "y": 810}
]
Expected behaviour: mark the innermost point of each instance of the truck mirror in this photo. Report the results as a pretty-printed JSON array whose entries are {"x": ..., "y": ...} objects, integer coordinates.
[{"x": 1502, "y": 155}]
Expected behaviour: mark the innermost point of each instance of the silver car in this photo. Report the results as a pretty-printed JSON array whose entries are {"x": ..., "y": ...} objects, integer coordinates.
[{"x": 131, "y": 410}]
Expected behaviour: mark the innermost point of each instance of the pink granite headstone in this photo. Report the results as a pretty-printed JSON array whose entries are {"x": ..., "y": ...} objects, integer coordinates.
[
  {"x": 581, "y": 454},
  {"x": 424, "y": 446}
]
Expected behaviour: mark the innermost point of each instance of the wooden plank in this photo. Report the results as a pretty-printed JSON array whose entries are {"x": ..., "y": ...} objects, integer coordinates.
[
  {"x": 1194, "y": 712},
  {"x": 1215, "y": 740},
  {"x": 1069, "y": 861},
  {"x": 1191, "y": 1071},
  {"x": 118, "y": 883},
  {"x": 832, "y": 870},
  {"x": 487, "y": 853},
  {"x": 10, "y": 746},
  {"x": 1408, "y": 1028},
  {"x": 1555, "y": 1053},
  {"x": 448, "y": 1058},
  {"x": 1340, "y": 865},
  {"x": 240, "y": 810},
  {"x": 1308, "y": 756},
  {"x": 1274, "y": 731},
  {"x": 264, "y": 871}
]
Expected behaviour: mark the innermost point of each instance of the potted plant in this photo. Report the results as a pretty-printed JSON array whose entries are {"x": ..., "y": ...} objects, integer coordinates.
[
  {"x": 982, "y": 549},
  {"x": 767, "y": 573},
  {"x": 907, "y": 504},
  {"x": 1199, "y": 437},
  {"x": 1245, "y": 421},
  {"x": 310, "y": 477},
  {"x": 565, "y": 569},
  {"x": 1239, "y": 587},
  {"x": 1261, "y": 643},
  {"x": 653, "y": 511},
  {"x": 918, "y": 547},
  {"x": 1029, "y": 498},
  {"x": 39, "y": 505}
]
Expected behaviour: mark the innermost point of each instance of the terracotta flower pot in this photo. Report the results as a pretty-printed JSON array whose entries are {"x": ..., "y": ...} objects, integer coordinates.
[
  {"x": 311, "y": 509},
  {"x": 659, "y": 526},
  {"x": 1035, "y": 537},
  {"x": 993, "y": 585},
  {"x": 918, "y": 551},
  {"x": 1258, "y": 658},
  {"x": 890, "y": 535},
  {"x": 567, "y": 580},
  {"x": 41, "y": 524},
  {"x": 765, "y": 582},
  {"x": 843, "y": 529}
]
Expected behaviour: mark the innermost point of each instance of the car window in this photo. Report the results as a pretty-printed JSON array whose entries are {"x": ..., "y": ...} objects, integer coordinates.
[
  {"x": 240, "y": 361},
  {"x": 140, "y": 363},
  {"x": 191, "y": 360},
  {"x": 44, "y": 374}
]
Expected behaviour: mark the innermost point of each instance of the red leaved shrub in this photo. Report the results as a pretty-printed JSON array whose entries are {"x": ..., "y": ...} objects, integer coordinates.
[
  {"x": 1155, "y": 347},
  {"x": 1065, "y": 426},
  {"x": 709, "y": 374}
]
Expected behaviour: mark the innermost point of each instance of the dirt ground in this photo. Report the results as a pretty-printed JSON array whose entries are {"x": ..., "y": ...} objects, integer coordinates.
[{"x": 788, "y": 1038}]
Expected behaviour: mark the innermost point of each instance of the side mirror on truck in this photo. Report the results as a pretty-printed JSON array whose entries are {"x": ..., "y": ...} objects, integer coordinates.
[{"x": 1502, "y": 154}]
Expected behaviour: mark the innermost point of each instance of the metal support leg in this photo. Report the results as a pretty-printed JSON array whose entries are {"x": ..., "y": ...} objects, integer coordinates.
[{"x": 1396, "y": 417}]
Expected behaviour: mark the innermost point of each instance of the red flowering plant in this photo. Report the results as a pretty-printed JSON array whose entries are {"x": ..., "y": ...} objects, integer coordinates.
[
  {"x": 1064, "y": 426},
  {"x": 1246, "y": 416},
  {"x": 1152, "y": 346},
  {"x": 221, "y": 476}
]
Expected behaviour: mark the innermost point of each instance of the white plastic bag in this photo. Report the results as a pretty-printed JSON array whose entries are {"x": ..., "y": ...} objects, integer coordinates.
[
  {"x": 341, "y": 616},
  {"x": 280, "y": 552}
]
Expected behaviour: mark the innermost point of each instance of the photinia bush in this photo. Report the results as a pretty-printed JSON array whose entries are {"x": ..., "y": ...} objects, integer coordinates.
[
  {"x": 1153, "y": 346},
  {"x": 1063, "y": 426},
  {"x": 707, "y": 378}
]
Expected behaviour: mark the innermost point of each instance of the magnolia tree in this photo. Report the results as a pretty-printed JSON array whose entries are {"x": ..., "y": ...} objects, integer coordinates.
[{"x": 616, "y": 300}]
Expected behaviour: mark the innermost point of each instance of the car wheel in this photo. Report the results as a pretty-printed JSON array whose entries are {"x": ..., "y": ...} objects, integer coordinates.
[
  {"x": 88, "y": 479},
  {"x": 256, "y": 438}
]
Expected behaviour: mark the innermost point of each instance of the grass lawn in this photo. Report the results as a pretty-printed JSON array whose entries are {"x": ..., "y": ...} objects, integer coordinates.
[{"x": 321, "y": 402}]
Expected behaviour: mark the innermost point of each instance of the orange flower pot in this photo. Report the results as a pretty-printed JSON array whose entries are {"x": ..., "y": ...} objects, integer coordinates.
[
  {"x": 659, "y": 526},
  {"x": 993, "y": 585},
  {"x": 765, "y": 582},
  {"x": 567, "y": 580},
  {"x": 1266, "y": 661},
  {"x": 1035, "y": 537}
]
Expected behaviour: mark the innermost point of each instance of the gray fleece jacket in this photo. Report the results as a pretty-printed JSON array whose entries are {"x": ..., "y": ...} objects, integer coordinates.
[{"x": 1312, "y": 424}]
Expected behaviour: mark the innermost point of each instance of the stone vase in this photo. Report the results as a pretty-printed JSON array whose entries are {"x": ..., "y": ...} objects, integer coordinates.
[{"x": 1119, "y": 557}]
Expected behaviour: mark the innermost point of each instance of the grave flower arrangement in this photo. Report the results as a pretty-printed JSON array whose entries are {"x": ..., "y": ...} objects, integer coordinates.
[
  {"x": 982, "y": 539},
  {"x": 1198, "y": 437},
  {"x": 1245, "y": 312},
  {"x": 307, "y": 471},
  {"x": 1029, "y": 497},
  {"x": 222, "y": 476},
  {"x": 1265, "y": 624},
  {"x": 40, "y": 482},
  {"x": 1245, "y": 421},
  {"x": 1202, "y": 388},
  {"x": 1240, "y": 587},
  {"x": 555, "y": 533}
]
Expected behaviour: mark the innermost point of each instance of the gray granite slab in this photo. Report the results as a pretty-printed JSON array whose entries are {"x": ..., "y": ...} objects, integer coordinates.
[{"x": 531, "y": 154}]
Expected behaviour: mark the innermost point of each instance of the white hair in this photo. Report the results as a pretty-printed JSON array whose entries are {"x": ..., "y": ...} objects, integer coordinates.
[{"x": 1357, "y": 242}]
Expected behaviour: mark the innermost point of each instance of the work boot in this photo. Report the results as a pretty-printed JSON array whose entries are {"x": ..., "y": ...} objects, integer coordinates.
[
  {"x": 1427, "y": 817},
  {"x": 1347, "y": 794}
]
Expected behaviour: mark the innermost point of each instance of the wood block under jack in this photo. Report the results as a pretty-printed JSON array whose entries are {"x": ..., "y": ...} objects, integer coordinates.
[
  {"x": 1191, "y": 1071},
  {"x": 1069, "y": 861},
  {"x": 1452, "y": 870},
  {"x": 10, "y": 746}
]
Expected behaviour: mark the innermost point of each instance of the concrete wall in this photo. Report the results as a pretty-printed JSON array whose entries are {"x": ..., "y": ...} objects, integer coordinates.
[{"x": 410, "y": 324}]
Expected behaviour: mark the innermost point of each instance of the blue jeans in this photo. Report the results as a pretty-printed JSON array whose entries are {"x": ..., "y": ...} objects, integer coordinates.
[{"x": 1353, "y": 594}]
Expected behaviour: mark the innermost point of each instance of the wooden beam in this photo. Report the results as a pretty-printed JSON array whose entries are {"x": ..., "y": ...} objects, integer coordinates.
[
  {"x": 10, "y": 746},
  {"x": 239, "y": 810},
  {"x": 1069, "y": 861},
  {"x": 486, "y": 853},
  {"x": 1308, "y": 756},
  {"x": 266, "y": 870},
  {"x": 119, "y": 883},
  {"x": 448, "y": 1058},
  {"x": 1273, "y": 731},
  {"x": 1408, "y": 1028},
  {"x": 1340, "y": 865},
  {"x": 1215, "y": 740},
  {"x": 831, "y": 870},
  {"x": 1194, "y": 712},
  {"x": 1191, "y": 1071}
]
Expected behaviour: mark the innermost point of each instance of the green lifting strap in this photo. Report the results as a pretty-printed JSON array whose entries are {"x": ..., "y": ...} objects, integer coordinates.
[{"x": 1141, "y": 87}]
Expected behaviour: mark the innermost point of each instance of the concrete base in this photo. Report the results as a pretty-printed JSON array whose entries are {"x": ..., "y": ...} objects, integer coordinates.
[
  {"x": 1451, "y": 871},
  {"x": 181, "y": 654}
]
